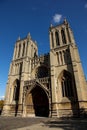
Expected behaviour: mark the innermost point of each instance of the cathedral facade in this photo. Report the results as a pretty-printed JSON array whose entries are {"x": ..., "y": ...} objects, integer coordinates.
[{"x": 50, "y": 85}]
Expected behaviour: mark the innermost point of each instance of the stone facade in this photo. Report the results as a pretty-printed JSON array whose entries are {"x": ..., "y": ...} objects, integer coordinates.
[{"x": 51, "y": 85}]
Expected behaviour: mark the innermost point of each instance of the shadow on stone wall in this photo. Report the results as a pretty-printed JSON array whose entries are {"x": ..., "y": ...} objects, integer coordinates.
[
  {"x": 83, "y": 113},
  {"x": 68, "y": 124}
]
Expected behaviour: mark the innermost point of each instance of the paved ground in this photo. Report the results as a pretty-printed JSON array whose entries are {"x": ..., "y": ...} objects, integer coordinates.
[{"x": 18, "y": 123}]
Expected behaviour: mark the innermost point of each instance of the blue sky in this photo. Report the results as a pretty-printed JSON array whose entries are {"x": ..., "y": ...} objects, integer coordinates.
[{"x": 18, "y": 17}]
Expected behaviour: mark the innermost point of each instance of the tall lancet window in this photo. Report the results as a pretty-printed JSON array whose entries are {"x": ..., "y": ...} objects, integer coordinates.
[
  {"x": 57, "y": 38},
  {"x": 66, "y": 83},
  {"x": 52, "y": 40},
  {"x": 68, "y": 34},
  {"x": 16, "y": 90},
  {"x": 63, "y": 36},
  {"x": 23, "y": 49},
  {"x": 19, "y": 50}
]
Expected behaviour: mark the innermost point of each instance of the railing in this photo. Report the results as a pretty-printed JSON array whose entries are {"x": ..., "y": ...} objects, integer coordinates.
[
  {"x": 44, "y": 80},
  {"x": 40, "y": 80}
]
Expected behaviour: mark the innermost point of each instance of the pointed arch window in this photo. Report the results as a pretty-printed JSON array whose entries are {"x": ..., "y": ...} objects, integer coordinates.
[
  {"x": 23, "y": 49},
  {"x": 63, "y": 36},
  {"x": 16, "y": 91},
  {"x": 68, "y": 34},
  {"x": 57, "y": 38},
  {"x": 19, "y": 50},
  {"x": 66, "y": 83}
]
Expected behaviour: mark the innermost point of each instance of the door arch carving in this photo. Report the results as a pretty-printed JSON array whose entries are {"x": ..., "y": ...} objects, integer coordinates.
[{"x": 37, "y": 102}]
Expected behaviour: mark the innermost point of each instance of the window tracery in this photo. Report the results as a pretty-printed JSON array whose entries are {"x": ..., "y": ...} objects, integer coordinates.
[
  {"x": 63, "y": 36},
  {"x": 23, "y": 49},
  {"x": 19, "y": 50},
  {"x": 57, "y": 38},
  {"x": 16, "y": 91},
  {"x": 66, "y": 84}
]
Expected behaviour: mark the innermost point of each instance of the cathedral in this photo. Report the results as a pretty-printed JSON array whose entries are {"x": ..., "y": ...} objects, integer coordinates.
[{"x": 50, "y": 85}]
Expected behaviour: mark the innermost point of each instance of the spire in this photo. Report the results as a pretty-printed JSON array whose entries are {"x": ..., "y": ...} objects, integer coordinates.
[
  {"x": 51, "y": 25},
  {"x": 18, "y": 38},
  {"x": 65, "y": 21},
  {"x": 29, "y": 36}
]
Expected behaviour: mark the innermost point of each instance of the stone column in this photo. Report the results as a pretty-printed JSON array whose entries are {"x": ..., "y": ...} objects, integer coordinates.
[
  {"x": 10, "y": 68},
  {"x": 50, "y": 40},
  {"x": 54, "y": 39},
  {"x": 6, "y": 93},
  {"x": 23, "y": 104},
  {"x": 76, "y": 74},
  {"x": 15, "y": 49},
  {"x": 25, "y": 48},
  {"x": 71, "y": 35},
  {"x": 17, "y": 69},
  {"x": 31, "y": 51},
  {"x": 10, "y": 96},
  {"x": 63, "y": 57},
  {"x": 58, "y": 60}
]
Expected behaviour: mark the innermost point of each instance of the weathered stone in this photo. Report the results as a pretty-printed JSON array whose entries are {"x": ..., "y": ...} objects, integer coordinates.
[{"x": 50, "y": 85}]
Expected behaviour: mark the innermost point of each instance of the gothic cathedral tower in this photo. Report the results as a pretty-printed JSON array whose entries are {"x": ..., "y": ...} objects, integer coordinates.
[
  {"x": 20, "y": 70},
  {"x": 51, "y": 85},
  {"x": 68, "y": 84}
]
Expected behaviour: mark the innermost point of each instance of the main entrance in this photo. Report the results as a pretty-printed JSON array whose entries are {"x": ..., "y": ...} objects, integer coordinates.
[{"x": 37, "y": 102}]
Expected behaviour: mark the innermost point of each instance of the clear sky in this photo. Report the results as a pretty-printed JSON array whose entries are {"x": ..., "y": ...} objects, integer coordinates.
[{"x": 18, "y": 17}]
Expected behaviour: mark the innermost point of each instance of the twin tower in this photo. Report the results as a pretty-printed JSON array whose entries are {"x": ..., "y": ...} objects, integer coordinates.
[{"x": 50, "y": 85}]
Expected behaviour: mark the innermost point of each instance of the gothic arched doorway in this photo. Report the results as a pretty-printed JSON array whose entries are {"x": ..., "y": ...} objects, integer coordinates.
[{"x": 38, "y": 101}]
